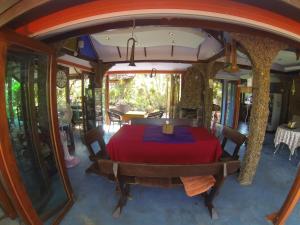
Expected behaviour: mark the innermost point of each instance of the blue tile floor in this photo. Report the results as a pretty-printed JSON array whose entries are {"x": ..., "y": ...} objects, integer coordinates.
[{"x": 236, "y": 205}]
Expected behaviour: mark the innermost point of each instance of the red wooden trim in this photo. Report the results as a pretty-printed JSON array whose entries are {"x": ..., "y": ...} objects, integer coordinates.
[
  {"x": 237, "y": 105},
  {"x": 85, "y": 11},
  {"x": 68, "y": 63},
  {"x": 280, "y": 217},
  {"x": 8, "y": 165}
]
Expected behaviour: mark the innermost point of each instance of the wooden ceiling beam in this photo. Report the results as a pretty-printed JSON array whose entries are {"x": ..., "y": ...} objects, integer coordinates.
[
  {"x": 198, "y": 51},
  {"x": 19, "y": 8},
  {"x": 217, "y": 35},
  {"x": 119, "y": 52}
]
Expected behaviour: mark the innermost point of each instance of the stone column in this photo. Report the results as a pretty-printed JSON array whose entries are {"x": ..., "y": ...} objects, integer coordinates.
[
  {"x": 261, "y": 51},
  {"x": 207, "y": 72}
]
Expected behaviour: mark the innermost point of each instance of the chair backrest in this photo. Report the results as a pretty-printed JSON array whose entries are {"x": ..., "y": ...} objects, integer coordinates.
[
  {"x": 157, "y": 114},
  {"x": 113, "y": 116},
  {"x": 95, "y": 143},
  {"x": 159, "y": 122},
  {"x": 236, "y": 137}
]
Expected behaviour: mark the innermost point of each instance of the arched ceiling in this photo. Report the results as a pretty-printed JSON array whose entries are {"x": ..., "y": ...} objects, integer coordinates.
[{"x": 97, "y": 12}]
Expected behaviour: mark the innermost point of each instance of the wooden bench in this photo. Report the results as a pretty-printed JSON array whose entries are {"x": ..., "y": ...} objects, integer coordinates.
[{"x": 159, "y": 175}]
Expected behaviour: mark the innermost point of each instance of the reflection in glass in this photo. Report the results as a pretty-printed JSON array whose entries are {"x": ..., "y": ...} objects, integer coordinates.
[{"x": 28, "y": 118}]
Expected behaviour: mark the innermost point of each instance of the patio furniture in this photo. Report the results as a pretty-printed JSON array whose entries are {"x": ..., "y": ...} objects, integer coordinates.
[
  {"x": 237, "y": 138},
  {"x": 290, "y": 137},
  {"x": 156, "y": 121},
  {"x": 159, "y": 174},
  {"x": 157, "y": 114},
  {"x": 114, "y": 118},
  {"x": 132, "y": 115}
]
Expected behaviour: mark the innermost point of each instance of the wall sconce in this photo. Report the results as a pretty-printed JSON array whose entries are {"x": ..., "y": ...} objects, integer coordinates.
[{"x": 293, "y": 90}]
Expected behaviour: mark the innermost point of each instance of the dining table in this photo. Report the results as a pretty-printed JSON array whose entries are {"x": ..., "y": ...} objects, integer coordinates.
[
  {"x": 288, "y": 136},
  {"x": 148, "y": 144}
]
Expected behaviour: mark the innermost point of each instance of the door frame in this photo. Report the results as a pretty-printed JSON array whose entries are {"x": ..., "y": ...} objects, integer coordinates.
[{"x": 9, "y": 172}]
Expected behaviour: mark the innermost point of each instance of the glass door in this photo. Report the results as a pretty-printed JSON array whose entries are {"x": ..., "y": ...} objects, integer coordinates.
[
  {"x": 89, "y": 103},
  {"x": 230, "y": 103},
  {"x": 29, "y": 134}
]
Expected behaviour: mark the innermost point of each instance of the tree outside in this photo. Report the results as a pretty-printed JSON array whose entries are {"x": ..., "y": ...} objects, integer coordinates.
[{"x": 141, "y": 92}]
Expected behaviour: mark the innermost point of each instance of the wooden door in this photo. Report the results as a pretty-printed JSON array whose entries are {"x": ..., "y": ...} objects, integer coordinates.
[{"x": 31, "y": 155}]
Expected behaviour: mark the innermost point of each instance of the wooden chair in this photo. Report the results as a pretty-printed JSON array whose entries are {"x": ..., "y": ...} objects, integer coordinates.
[
  {"x": 95, "y": 144},
  {"x": 157, "y": 114},
  {"x": 159, "y": 122},
  {"x": 158, "y": 175},
  {"x": 114, "y": 118},
  {"x": 237, "y": 138}
]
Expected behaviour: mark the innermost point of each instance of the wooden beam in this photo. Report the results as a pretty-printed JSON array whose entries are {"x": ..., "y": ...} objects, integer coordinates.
[
  {"x": 215, "y": 34},
  {"x": 5, "y": 5},
  {"x": 68, "y": 63},
  {"x": 198, "y": 52},
  {"x": 106, "y": 100},
  {"x": 18, "y": 9},
  {"x": 237, "y": 104},
  {"x": 119, "y": 52}
]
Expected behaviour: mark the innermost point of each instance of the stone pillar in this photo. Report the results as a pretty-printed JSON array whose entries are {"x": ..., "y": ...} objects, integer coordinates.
[
  {"x": 261, "y": 51},
  {"x": 207, "y": 72}
]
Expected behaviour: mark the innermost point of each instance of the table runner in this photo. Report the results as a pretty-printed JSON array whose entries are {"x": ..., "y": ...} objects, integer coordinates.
[{"x": 181, "y": 135}]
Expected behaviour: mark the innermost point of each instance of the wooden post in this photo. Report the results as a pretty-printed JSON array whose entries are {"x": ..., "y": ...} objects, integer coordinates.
[
  {"x": 107, "y": 99},
  {"x": 261, "y": 51},
  {"x": 237, "y": 106},
  {"x": 289, "y": 204}
]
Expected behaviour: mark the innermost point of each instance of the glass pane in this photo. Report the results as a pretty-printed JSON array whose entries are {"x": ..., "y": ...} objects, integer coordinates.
[
  {"x": 89, "y": 103},
  {"x": 230, "y": 104},
  {"x": 28, "y": 118},
  {"x": 217, "y": 99}
]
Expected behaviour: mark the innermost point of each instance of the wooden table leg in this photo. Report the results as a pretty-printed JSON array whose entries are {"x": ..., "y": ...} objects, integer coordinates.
[
  {"x": 279, "y": 218},
  {"x": 212, "y": 194}
]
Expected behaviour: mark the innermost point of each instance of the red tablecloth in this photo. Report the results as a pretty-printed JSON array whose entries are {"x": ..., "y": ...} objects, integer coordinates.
[{"x": 128, "y": 145}]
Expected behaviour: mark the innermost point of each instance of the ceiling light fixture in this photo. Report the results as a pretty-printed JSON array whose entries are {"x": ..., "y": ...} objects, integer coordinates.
[
  {"x": 107, "y": 37},
  {"x": 131, "y": 62}
]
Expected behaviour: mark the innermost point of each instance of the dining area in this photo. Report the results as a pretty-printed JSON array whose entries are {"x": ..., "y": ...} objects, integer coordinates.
[{"x": 166, "y": 153}]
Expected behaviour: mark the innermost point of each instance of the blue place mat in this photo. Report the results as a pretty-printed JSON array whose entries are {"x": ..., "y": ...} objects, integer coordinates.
[{"x": 180, "y": 135}]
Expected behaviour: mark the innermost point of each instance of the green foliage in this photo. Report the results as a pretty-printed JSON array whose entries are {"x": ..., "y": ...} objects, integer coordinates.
[
  {"x": 217, "y": 93},
  {"x": 141, "y": 93}
]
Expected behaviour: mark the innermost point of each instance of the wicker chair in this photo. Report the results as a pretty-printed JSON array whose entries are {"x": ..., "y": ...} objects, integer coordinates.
[{"x": 114, "y": 118}]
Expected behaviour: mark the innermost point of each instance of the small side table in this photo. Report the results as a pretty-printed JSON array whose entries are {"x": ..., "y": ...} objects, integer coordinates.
[{"x": 291, "y": 137}]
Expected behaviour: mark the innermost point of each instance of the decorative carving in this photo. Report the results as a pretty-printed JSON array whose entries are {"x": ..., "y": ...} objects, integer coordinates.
[{"x": 261, "y": 51}]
